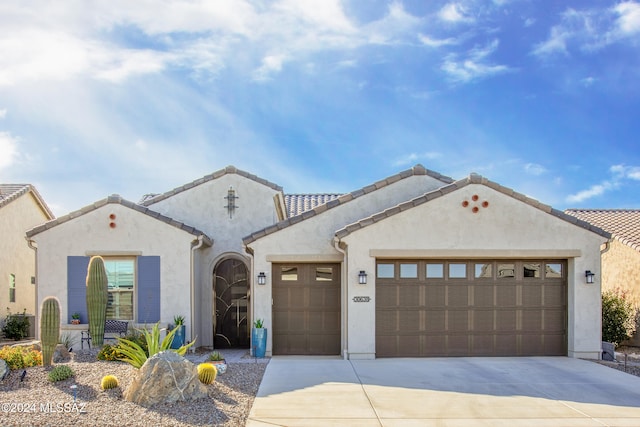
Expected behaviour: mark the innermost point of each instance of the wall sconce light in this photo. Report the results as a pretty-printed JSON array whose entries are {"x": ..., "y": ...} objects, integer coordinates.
[
  {"x": 362, "y": 277},
  {"x": 262, "y": 278},
  {"x": 589, "y": 276}
]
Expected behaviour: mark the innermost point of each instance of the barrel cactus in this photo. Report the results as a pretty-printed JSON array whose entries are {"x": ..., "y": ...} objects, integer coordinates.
[
  {"x": 108, "y": 382},
  {"x": 207, "y": 373},
  {"x": 97, "y": 296},
  {"x": 49, "y": 328}
]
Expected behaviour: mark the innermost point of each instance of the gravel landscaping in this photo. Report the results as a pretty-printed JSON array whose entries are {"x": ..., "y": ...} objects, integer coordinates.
[{"x": 38, "y": 402}]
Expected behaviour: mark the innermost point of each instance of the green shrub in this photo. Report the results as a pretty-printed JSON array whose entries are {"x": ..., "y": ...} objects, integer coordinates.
[
  {"x": 21, "y": 356},
  {"x": 135, "y": 355},
  {"x": 59, "y": 373},
  {"x": 109, "y": 352},
  {"x": 618, "y": 317},
  {"x": 16, "y": 326}
]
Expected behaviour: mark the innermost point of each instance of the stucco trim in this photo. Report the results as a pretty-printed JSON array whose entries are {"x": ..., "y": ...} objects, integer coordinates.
[
  {"x": 345, "y": 198},
  {"x": 305, "y": 258},
  {"x": 475, "y": 253},
  {"x": 119, "y": 200},
  {"x": 17, "y": 190},
  {"x": 227, "y": 170},
  {"x": 471, "y": 179},
  {"x": 113, "y": 253}
]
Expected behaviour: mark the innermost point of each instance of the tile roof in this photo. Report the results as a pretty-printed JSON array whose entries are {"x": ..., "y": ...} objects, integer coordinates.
[
  {"x": 299, "y": 203},
  {"x": 119, "y": 200},
  {"x": 471, "y": 179},
  {"x": 10, "y": 192},
  {"x": 345, "y": 198},
  {"x": 149, "y": 199},
  {"x": 623, "y": 224}
]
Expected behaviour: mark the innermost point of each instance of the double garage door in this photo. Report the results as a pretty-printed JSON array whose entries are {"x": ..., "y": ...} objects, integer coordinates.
[
  {"x": 306, "y": 309},
  {"x": 471, "y": 308}
]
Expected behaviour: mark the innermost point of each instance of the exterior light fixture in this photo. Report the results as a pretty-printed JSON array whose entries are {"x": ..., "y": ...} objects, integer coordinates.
[
  {"x": 362, "y": 277},
  {"x": 262, "y": 278},
  {"x": 589, "y": 276}
]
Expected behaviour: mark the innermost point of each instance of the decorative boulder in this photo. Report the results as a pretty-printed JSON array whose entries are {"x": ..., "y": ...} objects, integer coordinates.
[
  {"x": 4, "y": 369},
  {"x": 61, "y": 354},
  {"x": 165, "y": 377}
]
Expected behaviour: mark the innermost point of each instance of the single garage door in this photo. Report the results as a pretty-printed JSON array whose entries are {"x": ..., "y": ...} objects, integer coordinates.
[
  {"x": 306, "y": 309},
  {"x": 471, "y": 308}
]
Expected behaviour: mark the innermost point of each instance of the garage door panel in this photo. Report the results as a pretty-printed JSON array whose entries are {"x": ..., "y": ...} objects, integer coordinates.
[
  {"x": 306, "y": 309},
  {"x": 518, "y": 312}
]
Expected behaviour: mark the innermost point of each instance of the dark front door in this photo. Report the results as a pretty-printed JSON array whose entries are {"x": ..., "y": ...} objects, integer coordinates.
[{"x": 230, "y": 304}]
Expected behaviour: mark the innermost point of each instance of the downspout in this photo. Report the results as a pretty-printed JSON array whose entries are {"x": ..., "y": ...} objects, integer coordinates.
[
  {"x": 342, "y": 248},
  {"x": 194, "y": 247},
  {"x": 32, "y": 244}
]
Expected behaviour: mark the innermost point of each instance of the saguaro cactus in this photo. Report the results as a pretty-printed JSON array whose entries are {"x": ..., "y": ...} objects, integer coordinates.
[
  {"x": 49, "y": 328},
  {"x": 97, "y": 296}
]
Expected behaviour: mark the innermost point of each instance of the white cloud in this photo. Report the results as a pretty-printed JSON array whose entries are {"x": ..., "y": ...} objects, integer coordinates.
[
  {"x": 619, "y": 173},
  {"x": 428, "y": 41},
  {"x": 474, "y": 66},
  {"x": 271, "y": 64},
  {"x": 413, "y": 158},
  {"x": 588, "y": 81},
  {"x": 556, "y": 43},
  {"x": 455, "y": 13},
  {"x": 534, "y": 169},
  {"x": 9, "y": 150},
  {"x": 628, "y": 22}
]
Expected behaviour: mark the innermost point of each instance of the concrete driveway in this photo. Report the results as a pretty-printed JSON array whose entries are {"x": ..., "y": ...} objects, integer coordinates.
[{"x": 528, "y": 391}]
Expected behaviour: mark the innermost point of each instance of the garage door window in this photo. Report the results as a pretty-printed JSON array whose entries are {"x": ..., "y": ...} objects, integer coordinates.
[
  {"x": 553, "y": 271},
  {"x": 324, "y": 274},
  {"x": 484, "y": 271},
  {"x": 289, "y": 273},
  {"x": 435, "y": 271},
  {"x": 506, "y": 271},
  {"x": 457, "y": 271},
  {"x": 386, "y": 271},
  {"x": 408, "y": 271},
  {"x": 531, "y": 270}
]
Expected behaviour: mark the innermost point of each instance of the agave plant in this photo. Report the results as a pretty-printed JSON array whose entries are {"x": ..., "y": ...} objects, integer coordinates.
[{"x": 136, "y": 356}]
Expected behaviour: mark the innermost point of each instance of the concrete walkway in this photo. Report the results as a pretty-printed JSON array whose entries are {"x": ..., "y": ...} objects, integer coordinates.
[{"x": 528, "y": 391}]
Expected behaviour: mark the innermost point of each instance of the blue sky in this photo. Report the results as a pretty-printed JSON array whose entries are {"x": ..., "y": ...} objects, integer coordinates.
[{"x": 124, "y": 97}]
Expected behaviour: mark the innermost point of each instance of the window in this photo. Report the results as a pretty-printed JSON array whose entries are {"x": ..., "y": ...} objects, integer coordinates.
[
  {"x": 457, "y": 271},
  {"x": 386, "y": 271},
  {"x": 506, "y": 271},
  {"x": 324, "y": 274},
  {"x": 122, "y": 277},
  {"x": 531, "y": 269},
  {"x": 553, "y": 270},
  {"x": 12, "y": 288},
  {"x": 289, "y": 273},
  {"x": 484, "y": 271},
  {"x": 435, "y": 271},
  {"x": 409, "y": 271}
]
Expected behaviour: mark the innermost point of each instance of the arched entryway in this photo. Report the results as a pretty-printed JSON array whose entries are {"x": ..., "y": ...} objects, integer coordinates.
[{"x": 230, "y": 304}]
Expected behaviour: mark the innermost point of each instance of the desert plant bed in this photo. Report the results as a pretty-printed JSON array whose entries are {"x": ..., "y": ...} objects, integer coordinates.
[{"x": 38, "y": 401}]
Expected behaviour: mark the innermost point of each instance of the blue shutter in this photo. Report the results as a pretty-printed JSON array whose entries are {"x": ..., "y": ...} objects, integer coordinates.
[
  {"x": 148, "y": 289},
  {"x": 77, "y": 287}
]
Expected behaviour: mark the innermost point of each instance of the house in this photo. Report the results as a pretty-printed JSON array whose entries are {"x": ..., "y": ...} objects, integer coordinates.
[
  {"x": 415, "y": 264},
  {"x": 621, "y": 257},
  {"x": 21, "y": 208}
]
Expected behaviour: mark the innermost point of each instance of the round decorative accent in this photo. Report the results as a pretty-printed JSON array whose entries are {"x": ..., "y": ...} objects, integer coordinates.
[
  {"x": 465, "y": 204},
  {"x": 112, "y": 224},
  {"x": 475, "y": 209},
  {"x": 112, "y": 217},
  {"x": 474, "y": 197},
  {"x": 485, "y": 204}
]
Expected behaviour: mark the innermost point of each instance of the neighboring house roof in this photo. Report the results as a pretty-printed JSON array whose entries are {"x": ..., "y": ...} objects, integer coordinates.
[
  {"x": 119, "y": 200},
  {"x": 416, "y": 170},
  {"x": 623, "y": 224},
  {"x": 10, "y": 192},
  {"x": 299, "y": 203},
  {"x": 149, "y": 199},
  {"x": 471, "y": 179}
]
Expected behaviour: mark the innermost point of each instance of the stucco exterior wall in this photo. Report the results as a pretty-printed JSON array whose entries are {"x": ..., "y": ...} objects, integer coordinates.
[
  {"x": 16, "y": 257},
  {"x": 135, "y": 234},
  {"x": 203, "y": 207},
  {"x": 442, "y": 228},
  {"x": 312, "y": 239}
]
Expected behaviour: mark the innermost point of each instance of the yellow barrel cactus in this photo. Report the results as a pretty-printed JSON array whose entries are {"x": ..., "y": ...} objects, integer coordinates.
[
  {"x": 207, "y": 373},
  {"x": 109, "y": 381}
]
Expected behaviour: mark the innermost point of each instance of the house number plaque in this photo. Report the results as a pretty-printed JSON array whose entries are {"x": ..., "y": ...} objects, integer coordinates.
[{"x": 361, "y": 299}]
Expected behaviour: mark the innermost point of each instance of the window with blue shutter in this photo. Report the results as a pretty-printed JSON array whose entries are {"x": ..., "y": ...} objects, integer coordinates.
[
  {"x": 148, "y": 289},
  {"x": 77, "y": 287}
]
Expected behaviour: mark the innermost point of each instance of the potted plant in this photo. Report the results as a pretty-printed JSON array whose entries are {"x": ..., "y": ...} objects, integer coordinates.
[
  {"x": 258, "y": 338},
  {"x": 217, "y": 359},
  {"x": 75, "y": 318},
  {"x": 179, "y": 337}
]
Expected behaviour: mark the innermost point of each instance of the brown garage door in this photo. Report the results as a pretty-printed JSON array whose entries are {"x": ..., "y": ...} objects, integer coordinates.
[
  {"x": 471, "y": 308},
  {"x": 306, "y": 309}
]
